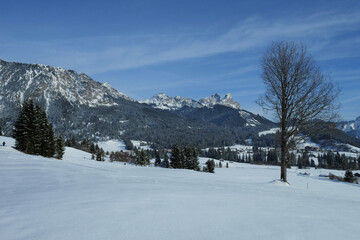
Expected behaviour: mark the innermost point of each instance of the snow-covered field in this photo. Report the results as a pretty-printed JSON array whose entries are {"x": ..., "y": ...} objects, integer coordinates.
[
  {"x": 119, "y": 145},
  {"x": 112, "y": 145},
  {"x": 78, "y": 198}
]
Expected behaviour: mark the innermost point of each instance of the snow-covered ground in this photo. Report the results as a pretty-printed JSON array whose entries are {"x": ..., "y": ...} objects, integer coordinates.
[
  {"x": 141, "y": 144},
  {"x": 78, "y": 198},
  {"x": 270, "y": 131},
  {"x": 112, "y": 145}
]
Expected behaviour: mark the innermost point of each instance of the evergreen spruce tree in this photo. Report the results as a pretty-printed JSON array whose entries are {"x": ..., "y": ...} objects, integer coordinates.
[
  {"x": 165, "y": 163},
  {"x": 142, "y": 159},
  {"x": 227, "y": 165},
  {"x": 98, "y": 156},
  {"x": 157, "y": 158},
  {"x": 51, "y": 139},
  {"x": 92, "y": 148},
  {"x": 210, "y": 166},
  {"x": 30, "y": 127},
  {"x": 24, "y": 128},
  {"x": 37, "y": 136},
  {"x": 59, "y": 147},
  {"x": 195, "y": 160},
  {"x": 188, "y": 158},
  {"x": 32, "y": 132},
  {"x": 176, "y": 157},
  {"x": 19, "y": 132},
  {"x": 349, "y": 176},
  {"x": 42, "y": 136}
]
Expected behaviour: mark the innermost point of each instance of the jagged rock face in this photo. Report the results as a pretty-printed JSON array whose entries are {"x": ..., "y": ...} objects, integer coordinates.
[
  {"x": 162, "y": 101},
  {"x": 217, "y": 100},
  {"x": 71, "y": 100},
  {"x": 215, "y": 109},
  {"x": 351, "y": 127},
  {"x": 20, "y": 81}
]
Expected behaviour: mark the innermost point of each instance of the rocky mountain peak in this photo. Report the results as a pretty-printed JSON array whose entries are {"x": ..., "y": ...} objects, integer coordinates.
[
  {"x": 163, "y": 101},
  {"x": 217, "y": 99},
  {"x": 47, "y": 84}
]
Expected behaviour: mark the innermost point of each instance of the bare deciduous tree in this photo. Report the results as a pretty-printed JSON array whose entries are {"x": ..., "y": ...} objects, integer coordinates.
[{"x": 297, "y": 93}]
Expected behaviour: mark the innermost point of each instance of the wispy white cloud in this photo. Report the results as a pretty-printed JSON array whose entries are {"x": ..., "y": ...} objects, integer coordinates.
[
  {"x": 349, "y": 100},
  {"x": 100, "y": 54}
]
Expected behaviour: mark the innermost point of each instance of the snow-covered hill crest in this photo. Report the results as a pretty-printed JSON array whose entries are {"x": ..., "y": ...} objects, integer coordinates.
[{"x": 163, "y": 101}]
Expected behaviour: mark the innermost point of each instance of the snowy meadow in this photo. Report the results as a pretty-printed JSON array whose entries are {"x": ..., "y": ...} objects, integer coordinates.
[{"x": 78, "y": 198}]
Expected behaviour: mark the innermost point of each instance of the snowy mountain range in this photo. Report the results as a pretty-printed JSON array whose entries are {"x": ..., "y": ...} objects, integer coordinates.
[
  {"x": 162, "y": 101},
  {"x": 351, "y": 127},
  {"x": 81, "y": 107},
  {"x": 48, "y": 84},
  {"x": 215, "y": 109}
]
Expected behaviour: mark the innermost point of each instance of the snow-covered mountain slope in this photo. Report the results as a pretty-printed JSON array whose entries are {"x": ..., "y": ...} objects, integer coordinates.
[
  {"x": 83, "y": 108},
  {"x": 226, "y": 116},
  {"x": 215, "y": 109},
  {"x": 162, "y": 101},
  {"x": 216, "y": 99},
  {"x": 78, "y": 198},
  {"x": 351, "y": 127},
  {"x": 19, "y": 81}
]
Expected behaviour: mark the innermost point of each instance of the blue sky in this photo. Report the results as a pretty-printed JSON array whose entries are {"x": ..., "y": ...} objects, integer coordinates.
[{"x": 184, "y": 48}]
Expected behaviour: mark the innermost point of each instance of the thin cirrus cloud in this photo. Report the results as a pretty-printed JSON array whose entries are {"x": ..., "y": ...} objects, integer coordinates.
[
  {"x": 103, "y": 54},
  {"x": 252, "y": 33},
  {"x": 349, "y": 100}
]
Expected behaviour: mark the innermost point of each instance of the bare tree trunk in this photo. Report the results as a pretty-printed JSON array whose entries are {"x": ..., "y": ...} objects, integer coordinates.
[
  {"x": 283, "y": 171},
  {"x": 283, "y": 140},
  {"x": 283, "y": 157},
  {"x": 283, "y": 132}
]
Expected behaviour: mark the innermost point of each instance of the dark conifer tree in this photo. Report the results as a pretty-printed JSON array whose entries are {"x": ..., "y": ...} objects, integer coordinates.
[
  {"x": 157, "y": 158},
  {"x": 32, "y": 132},
  {"x": 191, "y": 158},
  {"x": 92, "y": 148},
  {"x": 188, "y": 158},
  {"x": 59, "y": 147},
  {"x": 38, "y": 136},
  {"x": 51, "y": 149},
  {"x": 195, "y": 160},
  {"x": 349, "y": 176},
  {"x": 210, "y": 166},
  {"x": 165, "y": 163},
  {"x": 176, "y": 159},
  {"x": 142, "y": 159},
  {"x": 98, "y": 156},
  {"x": 20, "y": 133}
]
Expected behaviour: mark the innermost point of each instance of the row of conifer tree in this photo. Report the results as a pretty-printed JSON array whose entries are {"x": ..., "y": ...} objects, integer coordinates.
[{"x": 34, "y": 134}]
